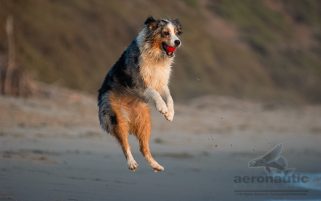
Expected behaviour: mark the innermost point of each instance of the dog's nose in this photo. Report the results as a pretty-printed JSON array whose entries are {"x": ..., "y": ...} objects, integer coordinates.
[{"x": 177, "y": 42}]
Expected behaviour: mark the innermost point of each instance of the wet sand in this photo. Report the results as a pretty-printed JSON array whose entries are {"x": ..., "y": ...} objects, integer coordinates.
[{"x": 52, "y": 149}]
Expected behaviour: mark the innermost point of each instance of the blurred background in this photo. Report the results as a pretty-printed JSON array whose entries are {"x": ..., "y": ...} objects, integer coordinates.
[
  {"x": 267, "y": 49},
  {"x": 247, "y": 77}
]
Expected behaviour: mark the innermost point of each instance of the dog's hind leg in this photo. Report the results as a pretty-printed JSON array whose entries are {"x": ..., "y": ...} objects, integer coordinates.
[
  {"x": 121, "y": 130},
  {"x": 121, "y": 134},
  {"x": 141, "y": 127}
]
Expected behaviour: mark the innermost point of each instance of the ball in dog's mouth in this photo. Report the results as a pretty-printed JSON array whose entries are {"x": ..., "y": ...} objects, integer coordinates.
[{"x": 169, "y": 49}]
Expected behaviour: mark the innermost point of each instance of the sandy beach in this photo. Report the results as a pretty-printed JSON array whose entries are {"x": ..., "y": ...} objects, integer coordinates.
[{"x": 52, "y": 149}]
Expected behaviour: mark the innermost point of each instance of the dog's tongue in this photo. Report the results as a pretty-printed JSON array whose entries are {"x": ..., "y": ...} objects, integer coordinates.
[{"x": 170, "y": 49}]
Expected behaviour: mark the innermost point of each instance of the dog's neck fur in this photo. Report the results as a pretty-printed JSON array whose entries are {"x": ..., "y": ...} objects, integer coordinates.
[{"x": 155, "y": 66}]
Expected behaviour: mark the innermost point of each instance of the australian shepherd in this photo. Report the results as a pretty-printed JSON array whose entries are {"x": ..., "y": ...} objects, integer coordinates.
[{"x": 140, "y": 75}]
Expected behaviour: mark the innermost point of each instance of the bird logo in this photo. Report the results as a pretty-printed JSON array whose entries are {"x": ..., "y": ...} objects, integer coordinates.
[{"x": 272, "y": 160}]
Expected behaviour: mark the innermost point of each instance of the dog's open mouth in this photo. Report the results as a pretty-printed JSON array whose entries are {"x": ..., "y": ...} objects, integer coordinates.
[{"x": 168, "y": 49}]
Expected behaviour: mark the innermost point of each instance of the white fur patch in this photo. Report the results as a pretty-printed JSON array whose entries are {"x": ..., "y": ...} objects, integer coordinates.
[
  {"x": 155, "y": 74},
  {"x": 171, "y": 28}
]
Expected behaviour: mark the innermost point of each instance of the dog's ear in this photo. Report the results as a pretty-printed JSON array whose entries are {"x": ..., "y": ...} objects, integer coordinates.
[
  {"x": 149, "y": 20},
  {"x": 151, "y": 23}
]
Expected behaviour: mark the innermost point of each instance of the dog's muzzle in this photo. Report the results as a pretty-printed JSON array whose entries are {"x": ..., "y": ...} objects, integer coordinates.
[{"x": 169, "y": 49}]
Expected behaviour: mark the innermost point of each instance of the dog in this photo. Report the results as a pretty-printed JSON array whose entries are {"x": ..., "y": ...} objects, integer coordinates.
[{"x": 141, "y": 75}]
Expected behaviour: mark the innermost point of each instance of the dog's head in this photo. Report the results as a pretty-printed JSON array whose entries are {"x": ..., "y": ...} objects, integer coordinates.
[{"x": 163, "y": 35}]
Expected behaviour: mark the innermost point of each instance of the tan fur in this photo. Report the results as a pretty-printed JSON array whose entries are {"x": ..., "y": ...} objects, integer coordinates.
[
  {"x": 129, "y": 111},
  {"x": 120, "y": 130},
  {"x": 133, "y": 116}
]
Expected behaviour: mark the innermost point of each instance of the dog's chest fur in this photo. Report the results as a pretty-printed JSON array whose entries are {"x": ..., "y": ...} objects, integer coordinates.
[{"x": 155, "y": 74}]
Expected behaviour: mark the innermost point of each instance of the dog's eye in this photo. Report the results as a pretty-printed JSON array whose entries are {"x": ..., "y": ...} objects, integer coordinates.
[
  {"x": 166, "y": 33},
  {"x": 179, "y": 32}
]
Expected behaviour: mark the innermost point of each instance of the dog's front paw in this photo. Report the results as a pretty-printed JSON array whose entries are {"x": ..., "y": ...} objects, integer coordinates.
[
  {"x": 132, "y": 165},
  {"x": 161, "y": 107},
  {"x": 169, "y": 115}
]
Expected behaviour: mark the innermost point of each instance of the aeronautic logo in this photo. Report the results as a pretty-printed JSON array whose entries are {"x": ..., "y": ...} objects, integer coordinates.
[{"x": 276, "y": 178}]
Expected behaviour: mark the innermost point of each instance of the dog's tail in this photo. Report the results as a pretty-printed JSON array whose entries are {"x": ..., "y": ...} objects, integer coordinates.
[{"x": 105, "y": 112}]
